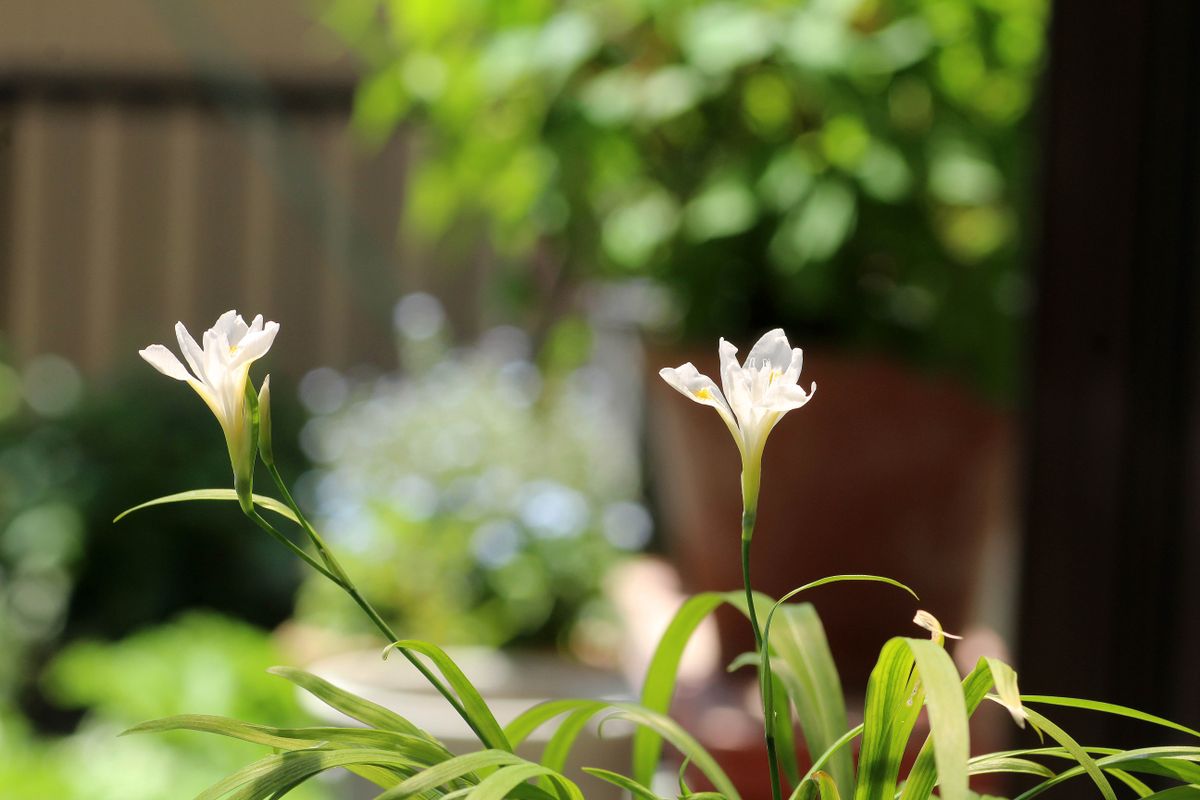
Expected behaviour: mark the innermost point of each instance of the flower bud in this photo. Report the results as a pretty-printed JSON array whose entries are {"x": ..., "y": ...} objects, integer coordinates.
[{"x": 264, "y": 423}]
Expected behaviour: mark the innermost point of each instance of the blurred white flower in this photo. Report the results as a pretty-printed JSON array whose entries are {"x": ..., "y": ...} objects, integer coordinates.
[
  {"x": 219, "y": 372},
  {"x": 754, "y": 395}
]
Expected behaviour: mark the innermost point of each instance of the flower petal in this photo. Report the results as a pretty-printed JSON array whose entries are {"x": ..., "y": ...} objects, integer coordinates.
[
  {"x": 255, "y": 345},
  {"x": 785, "y": 397},
  {"x": 792, "y": 373},
  {"x": 165, "y": 362},
  {"x": 687, "y": 380},
  {"x": 729, "y": 364},
  {"x": 772, "y": 349},
  {"x": 192, "y": 353}
]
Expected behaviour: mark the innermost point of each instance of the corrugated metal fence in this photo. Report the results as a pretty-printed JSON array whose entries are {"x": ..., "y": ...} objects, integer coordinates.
[{"x": 133, "y": 197}]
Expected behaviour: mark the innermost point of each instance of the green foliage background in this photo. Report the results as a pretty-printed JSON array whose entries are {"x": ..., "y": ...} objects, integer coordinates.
[{"x": 851, "y": 169}]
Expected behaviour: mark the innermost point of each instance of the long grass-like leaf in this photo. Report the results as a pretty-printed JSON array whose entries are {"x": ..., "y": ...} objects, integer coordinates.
[
  {"x": 805, "y": 665},
  {"x": 1170, "y": 762},
  {"x": 419, "y": 748},
  {"x": 370, "y": 714},
  {"x": 817, "y": 688},
  {"x": 785, "y": 732},
  {"x": 661, "y": 676},
  {"x": 275, "y": 773},
  {"x": 1086, "y": 762},
  {"x": 947, "y": 716},
  {"x": 1107, "y": 708},
  {"x": 558, "y": 748},
  {"x": 827, "y": 787},
  {"x": 838, "y": 746},
  {"x": 451, "y": 770},
  {"x": 476, "y": 708},
  {"x": 663, "y": 727},
  {"x": 889, "y": 714},
  {"x": 923, "y": 775},
  {"x": 634, "y": 788},
  {"x": 504, "y": 781},
  {"x": 269, "y": 503},
  {"x": 536, "y": 716},
  {"x": 988, "y": 765}
]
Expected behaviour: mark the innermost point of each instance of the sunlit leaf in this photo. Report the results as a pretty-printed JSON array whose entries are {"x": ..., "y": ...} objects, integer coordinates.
[{"x": 269, "y": 503}]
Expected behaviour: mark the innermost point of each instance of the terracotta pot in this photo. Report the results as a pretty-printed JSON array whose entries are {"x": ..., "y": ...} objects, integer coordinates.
[{"x": 885, "y": 472}]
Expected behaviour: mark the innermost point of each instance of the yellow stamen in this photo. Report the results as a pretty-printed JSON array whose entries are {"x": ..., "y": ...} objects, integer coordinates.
[{"x": 704, "y": 394}]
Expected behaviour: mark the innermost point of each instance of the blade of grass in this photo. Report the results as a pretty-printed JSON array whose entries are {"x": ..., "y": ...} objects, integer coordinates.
[
  {"x": 662, "y": 674},
  {"x": 947, "y": 716},
  {"x": 1107, "y": 708},
  {"x": 634, "y": 788},
  {"x": 888, "y": 717},
  {"x": 269, "y": 503},
  {"x": 370, "y": 714},
  {"x": 923, "y": 775},
  {"x": 478, "y": 713},
  {"x": 1086, "y": 762}
]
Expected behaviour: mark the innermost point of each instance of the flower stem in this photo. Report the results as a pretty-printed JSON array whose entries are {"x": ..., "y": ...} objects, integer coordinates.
[
  {"x": 764, "y": 679},
  {"x": 334, "y": 572}
]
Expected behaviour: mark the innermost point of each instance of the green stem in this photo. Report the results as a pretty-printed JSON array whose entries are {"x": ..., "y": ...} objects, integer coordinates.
[
  {"x": 258, "y": 520},
  {"x": 339, "y": 577},
  {"x": 318, "y": 542},
  {"x": 764, "y": 677}
]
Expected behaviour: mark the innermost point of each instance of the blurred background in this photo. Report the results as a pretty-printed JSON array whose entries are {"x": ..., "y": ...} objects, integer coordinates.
[{"x": 483, "y": 228}]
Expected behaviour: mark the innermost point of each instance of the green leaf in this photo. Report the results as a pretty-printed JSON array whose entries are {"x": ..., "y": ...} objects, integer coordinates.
[
  {"x": 350, "y": 704},
  {"x": 536, "y": 716},
  {"x": 947, "y": 716},
  {"x": 684, "y": 742},
  {"x": 662, "y": 674},
  {"x": 1107, "y": 708},
  {"x": 806, "y": 669},
  {"x": 1086, "y": 762},
  {"x": 278, "y": 772},
  {"x": 989, "y": 765},
  {"x": 891, "y": 709},
  {"x": 554, "y": 755},
  {"x": 501, "y": 783},
  {"x": 833, "y": 749},
  {"x": 1005, "y": 680},
  {"x": 826, "y": 785},
  {"x": 420, "y": 749},
  {"x": 923, "y": 775},
  {"x": 269, "y": 503},
  {"x": 476, "y": 708},
  {"x": 451, "y": 770},
  {"x": 663, "y": 727},
  {"x": 785, "y": 733},
  {"x": 634, "y": 788}
]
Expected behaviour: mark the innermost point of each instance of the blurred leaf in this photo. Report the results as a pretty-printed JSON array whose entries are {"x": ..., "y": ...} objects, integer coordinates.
[
  {"x": 815, "y": 230},
  {"x": 719, "y": 37},
  {"x": 725, "y": 207},
  {"x": 635, "y": 230}
]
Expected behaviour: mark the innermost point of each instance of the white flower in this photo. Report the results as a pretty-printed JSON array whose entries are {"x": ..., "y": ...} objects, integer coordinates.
[
  {"x": 754, "y": 395},
  {"x": 219, "y": 372}
]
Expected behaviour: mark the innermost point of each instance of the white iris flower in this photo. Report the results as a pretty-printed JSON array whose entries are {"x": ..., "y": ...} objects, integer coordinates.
[
  {"x": 219, "y": 372},
  {"x": 753, "y": 396}
]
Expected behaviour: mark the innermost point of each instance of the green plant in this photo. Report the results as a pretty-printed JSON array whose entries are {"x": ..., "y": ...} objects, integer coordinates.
[
  {"x": 59, "y": 437},
  {"x": 796, "y": 672},
  {"x": 851, "y": 168},
  {"x": 198, "y": 660},
  {"x": 483, "y": 497}
]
